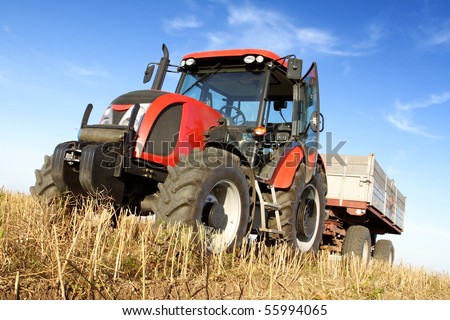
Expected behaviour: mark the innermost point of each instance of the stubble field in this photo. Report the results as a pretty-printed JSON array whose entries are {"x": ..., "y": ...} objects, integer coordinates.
[{"x": 63, "y": 252}]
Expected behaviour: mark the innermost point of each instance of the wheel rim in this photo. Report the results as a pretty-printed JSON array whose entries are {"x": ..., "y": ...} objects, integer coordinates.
[
  {"x": 307, "y": 222},
  {"x": 221, "y": 214}
]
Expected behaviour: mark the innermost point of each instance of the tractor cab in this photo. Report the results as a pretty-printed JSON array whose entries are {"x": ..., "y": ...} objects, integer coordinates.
[{"x": 266, "y": 104}]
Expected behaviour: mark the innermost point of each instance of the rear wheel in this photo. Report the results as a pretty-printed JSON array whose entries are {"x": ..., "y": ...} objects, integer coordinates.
[
  {"x": 384, "y": 251},
  {"x": 357, "y": 243},
  {"x": 44, "y": 186},
  {"x": 208, "y": 188},
  {"x": 302, "y": 212}
]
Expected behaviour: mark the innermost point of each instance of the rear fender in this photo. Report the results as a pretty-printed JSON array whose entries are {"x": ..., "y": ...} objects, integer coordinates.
[
  {"x": 288, "y": 165},
  {"x": 321, "y": 163},
  {"x": 284, "y": 173}
]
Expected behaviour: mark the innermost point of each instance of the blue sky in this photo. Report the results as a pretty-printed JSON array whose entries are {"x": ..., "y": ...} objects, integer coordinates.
[{"x": 384, "y": 71}]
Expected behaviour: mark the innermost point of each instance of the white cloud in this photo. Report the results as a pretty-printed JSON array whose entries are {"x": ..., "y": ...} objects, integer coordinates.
[
  {"x": 312, "y": 37},
  {"x": 402, "y": 117},
  {"x": 438, "y": 36},
  {"x": 187, "y": 22},
  {"x": 251, "y": 26},
  {"x": 431, "y": 101},
  {"x": 82, "y": 74},
  {"x": 80, "y": 71},
  {"x": 404, "y": 123},
  {"x": 247, "y": 25},
  {"x": 217, "y": 39},
  {"x": 374, "y": 34}
]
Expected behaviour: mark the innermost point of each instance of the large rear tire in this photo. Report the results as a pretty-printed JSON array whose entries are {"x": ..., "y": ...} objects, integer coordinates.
[
  {"x": 208, "y": 188},
  {"x": 384, "y": 251},
  {"x": 302, "y": 211},
  {"x": 44, "y": 186},
  {"x": 357, "y": 243}
]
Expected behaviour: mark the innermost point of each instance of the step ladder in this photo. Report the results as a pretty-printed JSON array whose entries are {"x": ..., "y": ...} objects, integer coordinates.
[{"x": 269, "y": 206}]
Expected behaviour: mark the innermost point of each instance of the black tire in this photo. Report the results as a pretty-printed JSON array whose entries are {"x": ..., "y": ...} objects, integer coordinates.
[
  {"x": 44, "y": 186},
  {"x": 208, "y": 188},
  {"x": 384, "y": 251},
  {"x": 357, "y": 243},
  {"x": 302, "y": 212}
]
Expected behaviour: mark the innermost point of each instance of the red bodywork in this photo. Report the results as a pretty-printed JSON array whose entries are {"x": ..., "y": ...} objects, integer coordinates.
[
  {"x": 288, "y": 165},
  {"x": 236, "y": 53},
  {"x": 196, "y": 119},
  {"x": 286, "y": 168},
  {"x": 121, "y": 107}
]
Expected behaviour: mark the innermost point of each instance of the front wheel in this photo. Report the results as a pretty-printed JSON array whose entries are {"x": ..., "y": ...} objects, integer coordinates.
[
  {"x": 302, "y": 212},
  {"x": 44, "y": 186},
  {"x": 209, "y": 188}
]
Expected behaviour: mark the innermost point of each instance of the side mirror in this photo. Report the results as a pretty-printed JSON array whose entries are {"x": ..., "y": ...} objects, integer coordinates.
[
  {"x": 149, "y": 73},
  {"x": 294, "y": 70},
  {"x": 316, "y": 122}
]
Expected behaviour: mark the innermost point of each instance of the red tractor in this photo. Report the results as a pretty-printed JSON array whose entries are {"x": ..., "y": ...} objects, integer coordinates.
[{"x": 234, "y": 148}]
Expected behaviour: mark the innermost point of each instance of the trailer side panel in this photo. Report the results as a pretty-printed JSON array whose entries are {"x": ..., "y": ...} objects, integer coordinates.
[{"x": 361, "y": 186}]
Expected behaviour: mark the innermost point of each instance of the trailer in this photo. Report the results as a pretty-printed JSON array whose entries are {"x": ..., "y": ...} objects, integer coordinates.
[{"x": 362, "y": 203}]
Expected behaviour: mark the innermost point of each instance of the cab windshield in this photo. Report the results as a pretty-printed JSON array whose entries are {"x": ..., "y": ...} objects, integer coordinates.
[{"x": 235, "y": 94}]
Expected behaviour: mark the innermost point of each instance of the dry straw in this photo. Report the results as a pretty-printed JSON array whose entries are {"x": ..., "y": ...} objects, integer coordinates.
[{"x": 70, "y": 250}]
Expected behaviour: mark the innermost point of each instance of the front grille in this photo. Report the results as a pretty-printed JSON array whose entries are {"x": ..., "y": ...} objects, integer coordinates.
[{"x": 164, "y": 134}]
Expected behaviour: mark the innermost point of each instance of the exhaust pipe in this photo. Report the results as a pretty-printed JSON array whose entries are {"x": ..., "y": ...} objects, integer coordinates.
[{"x": 162, "y": 69}]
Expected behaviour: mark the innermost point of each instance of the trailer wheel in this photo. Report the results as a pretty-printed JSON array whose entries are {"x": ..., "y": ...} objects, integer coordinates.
[
  {"x": 302, "y": 212},
  {"x": 357, "y": 243},
  {"x": 44, "y": 186},
  {"x": 384, "y": 251},
  {"x": 210, "y": 188}
]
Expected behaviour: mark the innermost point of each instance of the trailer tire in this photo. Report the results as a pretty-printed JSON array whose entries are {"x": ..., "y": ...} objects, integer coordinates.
[
  {"x": 302, "y": 212},
  {"x": 357, "y": 243},
  {"x": 384, "y": 251},
  {"x": 209, "y": 188},
  {"x": 44, "y": 186}
]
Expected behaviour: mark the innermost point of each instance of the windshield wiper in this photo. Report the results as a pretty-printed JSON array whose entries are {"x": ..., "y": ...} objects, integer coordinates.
[{"x": 204, "y": 77}]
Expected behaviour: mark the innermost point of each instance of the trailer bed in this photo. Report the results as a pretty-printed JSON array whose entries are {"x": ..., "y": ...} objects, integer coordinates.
[{"x": 360, "y": 192}]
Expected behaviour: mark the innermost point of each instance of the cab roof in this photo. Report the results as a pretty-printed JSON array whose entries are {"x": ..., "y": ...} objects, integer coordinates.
[{"x": 236, "y": 53}]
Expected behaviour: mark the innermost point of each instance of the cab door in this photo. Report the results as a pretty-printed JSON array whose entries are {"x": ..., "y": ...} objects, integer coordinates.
[{"x": 311, "y": 120}]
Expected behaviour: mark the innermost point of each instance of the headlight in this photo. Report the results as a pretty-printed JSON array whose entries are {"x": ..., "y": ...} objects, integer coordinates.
[{"x": 249, "y": 59}]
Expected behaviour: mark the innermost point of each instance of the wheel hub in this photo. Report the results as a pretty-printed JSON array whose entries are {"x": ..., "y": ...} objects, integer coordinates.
[
  {"x": 217, "y": 217},
  {"x": 307, "y": 218}
]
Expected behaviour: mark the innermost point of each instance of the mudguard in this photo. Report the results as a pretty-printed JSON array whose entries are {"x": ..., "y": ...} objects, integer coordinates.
[
  {"x": 288, "y": 164},
  {"x": 98, "y": 165},
  {"x": 284, "y": 173},
  {"x": 64, "y": 176}
]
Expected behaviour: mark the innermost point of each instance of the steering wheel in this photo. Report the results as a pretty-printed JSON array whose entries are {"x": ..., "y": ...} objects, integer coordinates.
[{"x": 235, "y": 115}]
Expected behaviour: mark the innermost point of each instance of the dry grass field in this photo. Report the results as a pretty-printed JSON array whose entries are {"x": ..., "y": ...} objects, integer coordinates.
[{"x": 61, "y": 252}]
